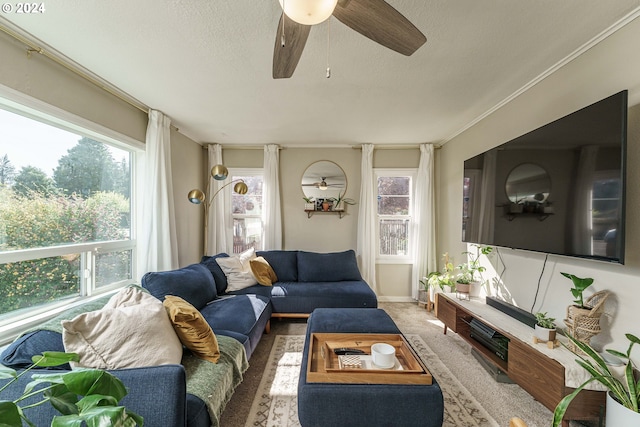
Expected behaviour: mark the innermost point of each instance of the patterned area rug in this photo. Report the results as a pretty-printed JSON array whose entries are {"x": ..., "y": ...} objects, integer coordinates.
[{"x": 275, "y": 403}]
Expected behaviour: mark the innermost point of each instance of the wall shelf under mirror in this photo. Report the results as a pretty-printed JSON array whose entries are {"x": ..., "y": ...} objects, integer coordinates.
[{"x": 310, "y": 213}]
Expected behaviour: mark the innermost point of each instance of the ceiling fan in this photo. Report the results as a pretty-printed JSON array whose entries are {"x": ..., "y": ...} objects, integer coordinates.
[
  {"x": 375, "y": 19},
  {"x": 322, "y": 185}
]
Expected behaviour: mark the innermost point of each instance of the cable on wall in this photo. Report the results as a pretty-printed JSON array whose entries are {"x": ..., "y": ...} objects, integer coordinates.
[{"x": 539, "y": 279}]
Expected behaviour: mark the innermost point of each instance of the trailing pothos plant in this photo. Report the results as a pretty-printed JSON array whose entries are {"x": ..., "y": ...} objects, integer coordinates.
[
  {"x": 626, "y": 390},
  {"x": 81, "y": 395}
]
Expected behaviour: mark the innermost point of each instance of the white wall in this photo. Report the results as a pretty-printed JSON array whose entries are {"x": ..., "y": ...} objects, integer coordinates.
[{"x": 605, "y": 69}]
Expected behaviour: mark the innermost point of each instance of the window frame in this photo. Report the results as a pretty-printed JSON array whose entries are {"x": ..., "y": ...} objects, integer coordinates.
[
  {"x": 14, "y": 323},
  {"x": 246, "y": 172},
  {"x": 411, "y": 173}
]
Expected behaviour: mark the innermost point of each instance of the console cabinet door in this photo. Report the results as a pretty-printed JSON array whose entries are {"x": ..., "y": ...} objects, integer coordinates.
[
  {"x": 446, "y": 312},
  {"x": 539, "y": 375}
]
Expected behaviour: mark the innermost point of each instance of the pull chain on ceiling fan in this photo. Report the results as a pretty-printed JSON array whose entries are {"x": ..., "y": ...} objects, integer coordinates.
[{"x": 375, "y": 19}]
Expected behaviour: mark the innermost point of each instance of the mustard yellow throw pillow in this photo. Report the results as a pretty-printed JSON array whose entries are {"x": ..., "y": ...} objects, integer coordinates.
[
  {"x": 194, "y": 332},
  {"x": 262, "y": 271}
]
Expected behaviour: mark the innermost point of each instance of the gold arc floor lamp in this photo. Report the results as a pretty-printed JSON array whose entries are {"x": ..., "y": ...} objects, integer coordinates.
[{"x": 198, "y": 197}]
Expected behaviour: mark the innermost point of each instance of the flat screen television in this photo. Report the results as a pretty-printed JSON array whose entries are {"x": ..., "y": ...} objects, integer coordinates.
[{"x": 558, "y": 189}]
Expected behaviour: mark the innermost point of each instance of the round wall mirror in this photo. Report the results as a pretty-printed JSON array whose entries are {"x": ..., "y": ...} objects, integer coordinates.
[
  {"x": 323, "y": 179},
  {"x": 528, "y": 183}
]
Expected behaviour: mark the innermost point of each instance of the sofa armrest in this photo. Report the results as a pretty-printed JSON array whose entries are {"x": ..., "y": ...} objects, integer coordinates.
[{"x": 157, "y": 393}]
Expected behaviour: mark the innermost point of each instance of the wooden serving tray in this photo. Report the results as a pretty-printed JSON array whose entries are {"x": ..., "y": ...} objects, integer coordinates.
[{"x": 323, "y": 366}]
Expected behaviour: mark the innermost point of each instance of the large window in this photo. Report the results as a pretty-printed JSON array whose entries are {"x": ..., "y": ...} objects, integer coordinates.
[
  {"x": 247, "y": 211},
  {"x": 395, "y": 206},
  {"x": 65, "y": 216}
]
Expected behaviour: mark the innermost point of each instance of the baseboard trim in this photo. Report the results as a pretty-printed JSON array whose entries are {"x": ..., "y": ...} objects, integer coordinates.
[{"x": 396, "y": 299}]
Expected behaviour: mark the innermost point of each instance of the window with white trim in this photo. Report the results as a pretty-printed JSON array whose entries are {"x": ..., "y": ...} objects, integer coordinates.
[
  {"x": 246, "y": 211},
  {"x": 395, "y": 210},
  {"x": 65, "y": 214}
]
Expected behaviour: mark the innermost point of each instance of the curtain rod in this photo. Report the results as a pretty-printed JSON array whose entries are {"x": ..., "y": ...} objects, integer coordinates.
[
  {"x": 398, "y": 146},
  {"x": 58, "y": 58}
]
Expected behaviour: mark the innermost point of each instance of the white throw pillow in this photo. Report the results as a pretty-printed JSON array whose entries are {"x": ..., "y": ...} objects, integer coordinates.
[
  {"x": 132, "y": 330},
  {"x": 238, "y": 270}
]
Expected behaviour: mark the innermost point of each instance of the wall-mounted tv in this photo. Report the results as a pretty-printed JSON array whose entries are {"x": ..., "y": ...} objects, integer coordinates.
[{"x": 558, "y": 189}]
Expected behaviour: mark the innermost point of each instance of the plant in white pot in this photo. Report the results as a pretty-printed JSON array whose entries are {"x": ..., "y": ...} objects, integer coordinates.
[
  {"x": 545, "y": 328},
  {"x": 623, "y": 391},
  {"x": 470, "y": 272},
  {"x": 309, "y": 204}
]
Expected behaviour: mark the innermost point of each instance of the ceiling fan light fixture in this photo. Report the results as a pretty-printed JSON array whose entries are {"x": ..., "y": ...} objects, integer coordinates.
[{"x": 308, "y": 12}]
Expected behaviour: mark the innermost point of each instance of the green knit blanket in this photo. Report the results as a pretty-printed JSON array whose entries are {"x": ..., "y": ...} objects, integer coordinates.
[{"x": 214, "y": 383}]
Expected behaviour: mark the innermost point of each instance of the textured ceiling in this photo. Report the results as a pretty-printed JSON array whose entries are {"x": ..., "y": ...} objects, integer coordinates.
[{"x": 207, "y": 64}]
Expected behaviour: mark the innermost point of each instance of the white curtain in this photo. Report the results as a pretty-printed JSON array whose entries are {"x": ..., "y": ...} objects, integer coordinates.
[
  {"x": 366, "y": 246},
  {"x": 424, "y": 235},
  {"x": 271, "y": 212},
  {"x": 219, "y": 233},
  {"x": 488, "y": 203},
  {"x": 581, "y": 242},
  {"x": 157, "y": 243}
]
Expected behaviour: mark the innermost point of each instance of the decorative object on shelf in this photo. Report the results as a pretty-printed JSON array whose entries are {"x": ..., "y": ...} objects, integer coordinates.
[
  {"x": 545, "y": 330},
  {"x": 340, "y": 201},
  {"x": 623, "y": 399},
  {"x": 583, "y": 317},
  {"x": 309, "y": 204},
  {"x": 84, "y": 395},
  {"x": 199, "y": 197}
]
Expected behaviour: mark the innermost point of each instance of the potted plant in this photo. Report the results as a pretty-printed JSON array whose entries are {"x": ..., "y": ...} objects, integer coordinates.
[
  {"x": 545, "y": 327},
  {"x": 340, "y": 201},
  {"x": 309, "y": 204},
  {"x": 88, "y": 396},
  {"x": 423, "y": 291},
  {"x": 467, "y": 270},
  {"x": 579, "y": 286},
  {"x": 623, "y": 398}
]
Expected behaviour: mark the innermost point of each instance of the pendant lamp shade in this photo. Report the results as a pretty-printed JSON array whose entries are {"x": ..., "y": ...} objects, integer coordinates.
[{"x": 308, "y": 12}]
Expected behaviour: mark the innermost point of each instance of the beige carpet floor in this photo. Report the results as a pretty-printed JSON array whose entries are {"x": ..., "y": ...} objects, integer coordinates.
[{"x": 501, "y": 401}]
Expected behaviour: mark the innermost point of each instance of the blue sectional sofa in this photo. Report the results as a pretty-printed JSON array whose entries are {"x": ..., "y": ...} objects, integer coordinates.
[{"x": 168, "y": 394}]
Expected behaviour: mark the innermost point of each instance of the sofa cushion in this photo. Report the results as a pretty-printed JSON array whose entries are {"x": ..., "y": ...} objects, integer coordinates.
[
  {"x": 262, "y": 271},
  {"x": 214, "y": 268},
  {"x": 284, "y": 264},
  {"x": 132, "y": 330},
  {"x": 18, "y": 354},
  {"x": 327, "y": 267},
  {"x": 238, "y": 270},
  {"x": 193, "y": 331},
  {"x": 193, "y": 283}
]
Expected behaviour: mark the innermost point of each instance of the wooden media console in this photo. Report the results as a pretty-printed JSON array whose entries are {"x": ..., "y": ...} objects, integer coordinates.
[{"x": 548, "y": 374}]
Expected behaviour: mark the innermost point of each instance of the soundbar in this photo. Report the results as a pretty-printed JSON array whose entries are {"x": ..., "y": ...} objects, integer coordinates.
[{"x": 513, "y": 311}]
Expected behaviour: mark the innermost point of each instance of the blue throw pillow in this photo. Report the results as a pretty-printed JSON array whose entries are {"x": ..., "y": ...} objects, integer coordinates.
[
  {"x": 218, "y": 275},
  {"x": 18, "y": 355},
  {"x": 284, "y": 264},
  {"x": 193, "y": 283},
  {"x": 330, "y": 267}
]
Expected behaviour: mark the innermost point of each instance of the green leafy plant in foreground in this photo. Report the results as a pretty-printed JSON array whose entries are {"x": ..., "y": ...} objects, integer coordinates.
[
  {"x": 82, "y": 395},
  {"x": 626, "y": 391}
]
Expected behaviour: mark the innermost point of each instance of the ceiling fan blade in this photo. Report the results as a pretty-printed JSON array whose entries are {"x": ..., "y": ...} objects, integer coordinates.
[
  {"x": 285, "y": 58},
  {"x": 380, "y": 22}
]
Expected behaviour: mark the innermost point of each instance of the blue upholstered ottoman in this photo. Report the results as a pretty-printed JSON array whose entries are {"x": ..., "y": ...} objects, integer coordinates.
[{"x": 326, "y": 404}]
